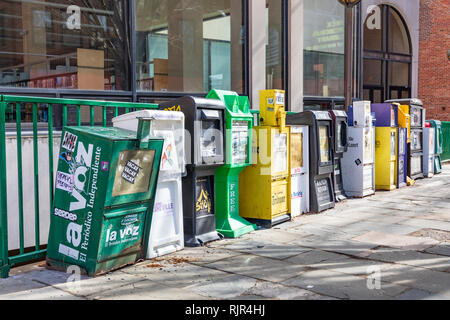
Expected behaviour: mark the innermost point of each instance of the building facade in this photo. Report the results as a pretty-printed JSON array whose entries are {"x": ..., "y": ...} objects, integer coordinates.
[
  {"x": 152, "y": 50},
  {"x": 434, "y": 58}
]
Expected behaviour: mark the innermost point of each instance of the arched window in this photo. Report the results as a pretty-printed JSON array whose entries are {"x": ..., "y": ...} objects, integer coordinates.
[{"x": 387, "y": 57}]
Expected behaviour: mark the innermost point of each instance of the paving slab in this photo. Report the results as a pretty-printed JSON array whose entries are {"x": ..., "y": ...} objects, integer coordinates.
[
  {"x": 90, "y": 286},
  {"x": 442, "y": 249},
  {"x": 147, "y": 290},
  {"x": 258, "y": 267},
  {"x": 388, "y": 219},
  {"x": 343, "y": 286},
  {"x": 359, "y": 228},
  {"x": 275, "y": 235},
  {"x": 45, "y": 293},
  {"x": 339, "y": 221},
  {"x": 356, "y": 267},
  {"x": 265, "y": 249},
  {"x": 175, "y": 273},
  {"x": 418, "y": 278},
  {"x": 269, "y": 290},
  {"x": 20, "y": 282},
  {"x": 346, "y": 247},
  {"x": 413, "y": 258},
  {"x": 325, "y": 231},
  {"x": 397, "y": 241},
  {"x": 439, "y": 216},
  {"x": 230, "y": 287},
  {"x": 415, "y": 294},
  {"x": 204, "y": 255},
  {"x": 317, "y": 259},
  {"x": 430, "y": 224}
]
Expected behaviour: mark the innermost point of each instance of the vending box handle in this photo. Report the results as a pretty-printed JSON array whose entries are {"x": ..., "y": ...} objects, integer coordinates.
[
  {"x": 143, "y": 133},
  {"x": 210, "y": 115}
]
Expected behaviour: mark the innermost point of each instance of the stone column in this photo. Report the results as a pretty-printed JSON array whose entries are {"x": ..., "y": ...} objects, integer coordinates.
[
  {"x": 257, "y": 45},
  {"x": 295, "y": 55},
  {"x": 185, "y": 67}
]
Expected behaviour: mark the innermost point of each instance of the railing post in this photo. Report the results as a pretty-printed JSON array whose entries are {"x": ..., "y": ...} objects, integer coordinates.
[
  {"x": 4, "y": 265},
  {"x": 20, "y": 174},
  {"x": 36, "y": 176}
]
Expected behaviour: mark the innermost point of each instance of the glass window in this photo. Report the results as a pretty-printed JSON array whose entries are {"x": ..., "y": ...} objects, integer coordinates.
[
  {"x": 190, "y": 45},
  {"x": 399, "y": 74},
  {"x": 372, "y": 72},
  {"x": 399, "y": 37},
  {"x": 324, "y": 35},
  {"x": 64, "y": 44},
  {"x": 324, "y": 145},
  {"x": 274, "y": 44},
  {"x": 373, "y": 38}
]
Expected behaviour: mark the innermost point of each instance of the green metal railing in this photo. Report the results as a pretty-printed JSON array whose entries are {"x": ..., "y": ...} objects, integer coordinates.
[
  {"x": 7, "y": 104},
  {"x": 445, "y": 156}
]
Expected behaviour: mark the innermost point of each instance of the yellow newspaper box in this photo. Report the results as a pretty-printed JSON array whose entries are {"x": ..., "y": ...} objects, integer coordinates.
[
  {"x": 265, "y": 197},
  {"x": 386, "y": 146}
]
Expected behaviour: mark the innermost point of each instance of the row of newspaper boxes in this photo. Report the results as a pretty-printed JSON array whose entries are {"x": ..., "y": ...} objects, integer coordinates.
[{"x": 201, "y": 169}]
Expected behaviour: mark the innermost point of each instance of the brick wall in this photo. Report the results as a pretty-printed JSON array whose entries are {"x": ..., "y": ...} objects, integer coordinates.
[{"x": 434, "y": 66}]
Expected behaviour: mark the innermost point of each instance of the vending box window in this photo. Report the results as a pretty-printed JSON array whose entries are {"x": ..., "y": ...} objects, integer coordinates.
[
  {"x": 205, "y": 153},
  {"x": 239, "y": 139},
  {"x": 321, "y": 165},
  {"x": 166, "y": 230},
  {"x": 415, "y": 148},
  {"x": 264, "y": 186},
  {"x": 104, "y": 197},
  {"x": 439, "y": 138},
  {"x": 340, "y": 146}
]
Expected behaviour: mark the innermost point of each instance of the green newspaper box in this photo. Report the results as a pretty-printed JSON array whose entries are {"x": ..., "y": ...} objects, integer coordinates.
[
  {"x": 239, "y": 138},
  {"x": 104, "y": 193}
]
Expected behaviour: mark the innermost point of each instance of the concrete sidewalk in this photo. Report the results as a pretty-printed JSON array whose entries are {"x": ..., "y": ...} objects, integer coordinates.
[{"x": 394, "y": 245}]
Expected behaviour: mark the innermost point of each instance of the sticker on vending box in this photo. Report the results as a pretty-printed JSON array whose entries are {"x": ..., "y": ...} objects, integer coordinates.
[
  {"x": 203, "y": 191},
  {"x": 130, "y": 172},
  {"x": 69, "y": 142},
  {"x": 64, "y": 182}
]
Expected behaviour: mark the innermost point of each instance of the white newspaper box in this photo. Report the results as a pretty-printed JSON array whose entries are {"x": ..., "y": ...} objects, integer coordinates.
[
  {"x": 428, "y": 152},
  {"x": 299, "y": 170},
  {"x": 166, "y": 230},
  {"x": 358, "y": 163}
]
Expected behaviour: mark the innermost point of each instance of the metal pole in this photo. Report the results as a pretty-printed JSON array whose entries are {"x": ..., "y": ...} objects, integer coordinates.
[
  {"x": 4, "y": 264},
  {"x": 348, "y": 81}
]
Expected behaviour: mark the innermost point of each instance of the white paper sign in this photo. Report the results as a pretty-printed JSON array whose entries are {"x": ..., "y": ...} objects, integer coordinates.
[{"x": 64, "y": 182}]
